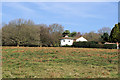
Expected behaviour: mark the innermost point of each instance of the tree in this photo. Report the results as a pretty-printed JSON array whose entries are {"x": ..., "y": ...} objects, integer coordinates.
[
  {"x": 104, "y": 30},
  {"x": 7, "y": 35},
  {"x": 0, "y": 37},
  {"x": 115, "y": 34},
  {"x": 105, "y": 37},
  {"x": 44, "y": 35},
  {"x": 66, "y": 32},
  {"x": 19, "y": 32},
  {"x": 92, "y": 36},
  {"x": 73, "y": 34},
  {"x": 78, "y": 34},
  {"x": 55, "y": 31}
]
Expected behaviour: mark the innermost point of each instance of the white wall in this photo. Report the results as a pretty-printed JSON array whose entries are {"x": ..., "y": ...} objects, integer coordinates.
[
  {"x": 81, "y": 39},
  {"x": 66, "y": 42}
]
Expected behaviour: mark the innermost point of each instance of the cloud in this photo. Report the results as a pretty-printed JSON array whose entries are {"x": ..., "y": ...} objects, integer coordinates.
[
  {"x": 18, "y": 6},
  {"x": 73, "y": 15},
  {"x": 70, "y": 9},
  {"x": 58, "y": 10},
  {"x": 14, "y": 10}
]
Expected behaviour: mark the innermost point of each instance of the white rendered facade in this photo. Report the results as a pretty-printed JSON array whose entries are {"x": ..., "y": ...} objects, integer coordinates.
[{"x": 66, "y": 42}]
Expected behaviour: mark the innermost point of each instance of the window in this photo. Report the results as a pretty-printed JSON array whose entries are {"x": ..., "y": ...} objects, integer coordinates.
[
  {"x": 63, "y": 40},
  {"x": 69, "y": 40}
]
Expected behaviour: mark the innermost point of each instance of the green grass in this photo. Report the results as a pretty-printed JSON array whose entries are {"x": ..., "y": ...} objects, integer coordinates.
[{"x": 50, "y": 62}]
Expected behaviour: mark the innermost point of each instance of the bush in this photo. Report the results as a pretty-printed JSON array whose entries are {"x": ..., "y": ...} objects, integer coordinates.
[
  {"x": 110, "y": 46},
  {"x": 92, "y": 44},
  {"x": 66, "y": 46}
]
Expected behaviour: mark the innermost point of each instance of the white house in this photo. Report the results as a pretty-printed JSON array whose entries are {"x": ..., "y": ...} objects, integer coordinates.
[
  {"x": 66, "y": 41},
  {"x": 69, "y": 40},
  {"x": 81, "y": 39}
]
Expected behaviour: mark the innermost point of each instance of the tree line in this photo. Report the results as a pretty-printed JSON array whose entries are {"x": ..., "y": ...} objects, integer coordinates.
[
  {"x": 104, "y": 34},
  {"x": 20, "y": 32},
  {"x": 114, "y": 35}
]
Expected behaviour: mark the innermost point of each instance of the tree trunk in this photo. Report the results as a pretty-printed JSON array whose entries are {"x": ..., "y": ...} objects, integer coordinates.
[{"x": 18, "y": 43}]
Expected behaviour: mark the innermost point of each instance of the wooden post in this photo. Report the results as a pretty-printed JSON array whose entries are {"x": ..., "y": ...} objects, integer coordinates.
[{"x": 117, "y": 45}]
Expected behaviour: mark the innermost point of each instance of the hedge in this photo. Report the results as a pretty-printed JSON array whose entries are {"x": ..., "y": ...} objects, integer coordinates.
[
  {"x": 93, "y": 44},
  {"x": 66, "y": 46},
  {"x": 110, "y": 46}
]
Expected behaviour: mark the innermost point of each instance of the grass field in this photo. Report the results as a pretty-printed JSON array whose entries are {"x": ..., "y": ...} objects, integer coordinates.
[{"x": 59, "y": 62}]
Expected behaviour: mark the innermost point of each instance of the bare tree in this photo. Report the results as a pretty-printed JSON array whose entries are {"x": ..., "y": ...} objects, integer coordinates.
[
  {"x": 92, "y": 36},
  {"x": 19, "y": 32},
  {"x": 22, "y": 32},
  {"x": 104, "y": 30},
  {"x": 55, "y": 31}
]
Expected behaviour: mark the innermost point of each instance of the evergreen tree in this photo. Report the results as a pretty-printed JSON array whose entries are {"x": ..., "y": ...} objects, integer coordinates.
[
  {"x": 115, "y": 33},
  {"x": 73, "y": 34},
  {"x": 105, "y": 37},
  {"x": 66, "y": 32}
]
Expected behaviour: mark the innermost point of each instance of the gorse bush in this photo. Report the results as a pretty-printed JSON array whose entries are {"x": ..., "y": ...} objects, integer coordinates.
[{"x": 93, "y": 44}]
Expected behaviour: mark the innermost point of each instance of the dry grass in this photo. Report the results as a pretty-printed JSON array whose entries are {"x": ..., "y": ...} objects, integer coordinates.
[{"x": 59, "y": 62}]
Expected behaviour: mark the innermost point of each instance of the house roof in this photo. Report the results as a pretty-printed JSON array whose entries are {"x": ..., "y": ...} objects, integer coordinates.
[
  {"x": 77, "y": 37},
  {"x": 109, "y": 43},
  {"x": 67, "y": 38},
  {"x": 71, "y": 37}
]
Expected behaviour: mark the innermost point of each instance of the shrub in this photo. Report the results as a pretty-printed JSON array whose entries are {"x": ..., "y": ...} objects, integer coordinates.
[
  {"x": 92, "y": 44},
  {"x": 66, "y": 46},
  {"x": 110, "y": 46}
]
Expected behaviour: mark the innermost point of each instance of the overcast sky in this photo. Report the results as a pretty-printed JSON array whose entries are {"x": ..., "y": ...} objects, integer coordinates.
[{"x": 74, "y": 16}]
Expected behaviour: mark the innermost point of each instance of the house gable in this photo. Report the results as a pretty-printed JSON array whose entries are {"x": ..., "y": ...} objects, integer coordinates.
[{"x": 81, "y": 39}]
